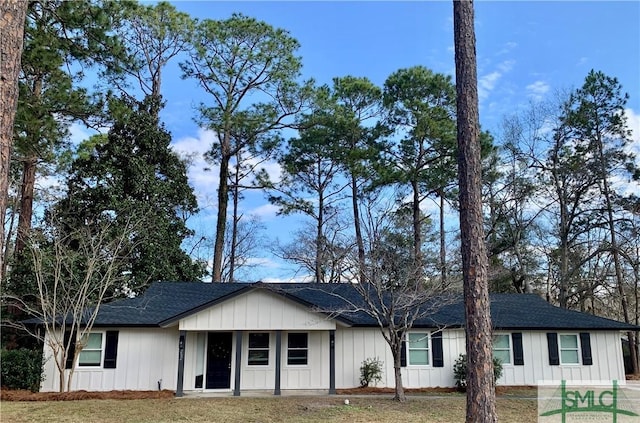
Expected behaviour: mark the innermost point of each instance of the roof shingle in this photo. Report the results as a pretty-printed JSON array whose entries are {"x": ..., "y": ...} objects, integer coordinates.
[{"x": 166, "y": 302}]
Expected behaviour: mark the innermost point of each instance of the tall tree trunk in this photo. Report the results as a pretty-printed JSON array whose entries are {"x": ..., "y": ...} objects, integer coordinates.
[
  {"x": 221, "y": 224},
  {"x": 7, "y": 238},
  {"x": 443, "y": 244},
  {"x": 26, "y": 203},
  {"x": 636, "y": 320},
  {"x": 319, "y": 240},
  {"x": 234, "y": 232},
  {"x": 481, "y": 401},
  {"x": 358, "y": 229},
  {"x": 12, "y": 19},
  {"x": 563, "y": 230},
  {"x": 417, "y": 227},
  {"x": 564, "y": 254},
  {"x": 27, "y": 188},
  {"x": 616, "y": 256}
]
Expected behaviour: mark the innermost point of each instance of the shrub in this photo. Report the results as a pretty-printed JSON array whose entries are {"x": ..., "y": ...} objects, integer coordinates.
[
  {"x": 21, "y": 369},
  {"x": 370, "y": 371},
  {"x": 460, "y": 370}
]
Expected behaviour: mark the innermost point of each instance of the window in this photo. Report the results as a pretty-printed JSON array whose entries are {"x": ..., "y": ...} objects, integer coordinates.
[
  {"x": 418, "y": 347},
  {"x": 502, "y": 348},
  {"x": 297, "y": 349},
  {"x": 569, "y": 349},
  {"x": 91, "y": 354},
  {"x": 258, "y": 349}
]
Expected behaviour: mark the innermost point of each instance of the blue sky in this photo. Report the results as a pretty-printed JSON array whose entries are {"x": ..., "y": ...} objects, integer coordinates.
[{"x": 526, "y": 51}]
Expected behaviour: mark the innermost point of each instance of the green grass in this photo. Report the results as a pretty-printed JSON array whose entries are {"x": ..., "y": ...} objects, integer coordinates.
[{"x": 450, "y": 408}]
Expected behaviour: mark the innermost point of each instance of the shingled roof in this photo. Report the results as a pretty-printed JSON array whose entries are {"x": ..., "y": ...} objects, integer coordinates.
[{"x": 164, "y": 303}]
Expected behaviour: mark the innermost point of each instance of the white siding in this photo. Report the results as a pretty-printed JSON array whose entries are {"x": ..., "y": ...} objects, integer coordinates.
[
  {"x": 453, "y": 344},
  {"x": 145, "y": 356},
  {"x": 257, "y": 377},
  {"x": 315, "y": 375},
  {"x": 257, "y": 310},
  {"x": 607, "y": 365},
  {"x": 190, "y": 359},
  {"x": 354, "y": 345}
]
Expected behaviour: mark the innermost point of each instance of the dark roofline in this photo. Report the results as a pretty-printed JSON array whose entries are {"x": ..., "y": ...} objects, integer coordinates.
[
  {"x": 311, "y": 306},
  {"x": 167, "y": 307}
]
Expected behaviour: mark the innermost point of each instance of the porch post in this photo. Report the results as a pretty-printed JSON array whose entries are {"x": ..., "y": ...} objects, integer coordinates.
[
  {"x": 276, "y": 391},
  {"x": 236, "y": 386},
  {"x": 332, "y": 362},
  {"x": 181, "y": 346}
]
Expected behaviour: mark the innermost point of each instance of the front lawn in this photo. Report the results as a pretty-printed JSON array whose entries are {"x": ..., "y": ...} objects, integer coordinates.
[{"x": 374, "y": 408}]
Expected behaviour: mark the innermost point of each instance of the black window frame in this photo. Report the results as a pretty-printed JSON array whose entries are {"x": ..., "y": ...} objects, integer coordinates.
[
  {"x": 258, "y": 352},
  {"x": 302, "y": 351}
]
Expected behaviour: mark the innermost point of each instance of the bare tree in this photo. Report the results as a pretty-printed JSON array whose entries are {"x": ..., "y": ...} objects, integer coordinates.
[
  {"x": 395, "y": 293},
  {"x": 244, "y": 243},
  {"x": 481, "y": 397},
  {"x": 328, "y": 260},
  {"x": 75, "y": 271},
  {"x": 12, "y": 16}
]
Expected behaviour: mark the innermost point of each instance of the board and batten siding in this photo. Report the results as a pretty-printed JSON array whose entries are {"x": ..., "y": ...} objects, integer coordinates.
[
  {"x": 313, "y": 375},
  {"x": 354, "y": 345},
  {"x": 605, "y": 349},
  {"x": 256, "y": 310},
  {"x": 145, "y": 356}
]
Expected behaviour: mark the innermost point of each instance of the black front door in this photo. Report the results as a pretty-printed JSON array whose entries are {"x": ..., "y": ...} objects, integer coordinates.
[{"x": 219, "y": 360}]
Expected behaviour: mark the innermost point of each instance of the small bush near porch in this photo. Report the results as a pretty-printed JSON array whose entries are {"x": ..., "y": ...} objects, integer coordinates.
[{"x": 373, "y": 408}]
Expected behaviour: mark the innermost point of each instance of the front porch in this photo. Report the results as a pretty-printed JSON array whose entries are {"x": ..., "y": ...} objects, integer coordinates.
[
  {"x": 224, "y": 362},
  {"x": 255, "y": 341}
]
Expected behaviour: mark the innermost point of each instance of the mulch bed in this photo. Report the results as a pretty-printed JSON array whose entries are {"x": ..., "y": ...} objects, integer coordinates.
[{"x": 19, "y": 395}]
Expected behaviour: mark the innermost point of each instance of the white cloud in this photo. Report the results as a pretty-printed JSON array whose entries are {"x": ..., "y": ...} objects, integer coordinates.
[
  {"x": 633, "y": 123},
  {"x": 537, "y": 90},
  {"x": 265, "y": 211},
  {"x": 78, "y": 132},
  {"x": 488, "y": 82},
  {"x": 582, "y": 61},
  {"x": 263, "y": 262},
  {"x": 272, "y": 168},
  {"x": 506, "y": 66},
  {"x": 625, "y": 185},
  {"x": 294, "y": 279},
  {"x": 507, "y": 48},
  {"x": 202, "y": 175}
]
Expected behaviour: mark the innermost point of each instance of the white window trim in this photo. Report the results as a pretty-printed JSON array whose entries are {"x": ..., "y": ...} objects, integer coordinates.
[
  {"x": 578, "y": 349},
  {"x": 102, "y": 348},
  {"x": 509, "y": 348},
  {"x": 297, "y": 366},
  {"x": 267, "y": 349},
  {"x": 428, "y": 349}
]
